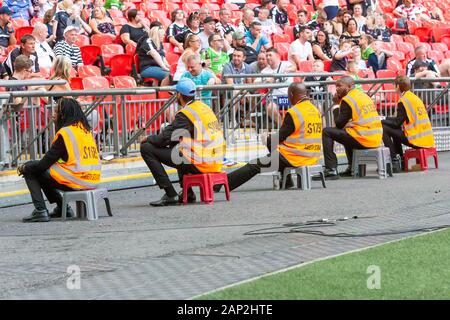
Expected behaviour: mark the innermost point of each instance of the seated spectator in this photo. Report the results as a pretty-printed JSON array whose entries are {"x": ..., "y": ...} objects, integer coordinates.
[
  {"x": 213, "y": 56},
  {"x": 200, "y": 76},
  {"x": 193, "y": 27},
  {"x": 302, "y": 22},
  {"x": 408, "y": 11},
  {"x": 239, "y": 42},
  {"x": 21, "y": 9},
  {"x": 60, "y": 71},
  {"x": 369, "y": 27},
  {"x": 224, "y": 25},
  {"x": 322, "y": 48},
  {"x": 381, "y": 56},
  {"x": 28, "y": 49},
  {"x": 341, "y": 57},
  {"x": 300, "y": 49},
  {"x": 279, "y": 96},
  {"x": 247, "y": 19},
  {"x": 351, "y": 33},
  {"x": 203, "y": 13},
  {"x": 192, "y": 46},
  {"x": 152, "y": 61},
  {"x": 176, "y": 28},
  {"x": 381, "y": 31},
  {"x": 358, "y": 16},
  {"x": 333, "y": 37},
  {"x": 114, "y": 4},
  {"x": 134, "y": 29},
  {"x": 356, "y": 57},
  {"x": 421, "y": 55},
  {"x": 101, "y": 23},
  {"x": 23, "y": 69},
  {"x": 352, "y": 3},
  {"x": 239, "y": 3},
  {"x": 209, "y": 29},
  {"x": 43, "y": 50},
  {"x": 100, "y": 4},
  {"x": 279, "y": 13},
  {"x": 68, "y": 48},
  {"x": 237, "y": 66},
  {"x": 255, "y": 39},
  {"x": 265, "y": 4},
  {"x": 42, "y": 6},
  {"x": 259, "y": 64},
  {"x": 317, "y": 91},
  {"x": 77, "y": 21},
  {"x": 317, "y": 24},
  {"x": 268, "y": 27},
  {"x": 352, "y": 71},
  {"x": 338, "y": 22},
  {"x": 7, "y": 36},
  {"x": 60, "y": 19},
  {"x": 49, "y": 22}
]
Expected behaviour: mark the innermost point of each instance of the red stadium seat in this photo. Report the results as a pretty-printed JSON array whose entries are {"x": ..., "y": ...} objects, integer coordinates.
[
  {"x": 386, "y": 74},
  {"x": 89, "y": 71},
  {"x": 327, "y": 65},
  {"x": 405, "y": 47},
  {"x": 438, "y": 32},
  {"x": 424, "y": 44},
  {"x": 121, "y": 65},
  {"x": 110, "y": 50},
  {"x": 115, "y": 13},
  {"x": 231, "y": 6},
  {"x": 446, "y": 40},
  {"x": 90, "y": 54},
  {"x": 82, "y": 40},
  {"x": 396, "y": 38},
  {"x": 435, "y": 55},
  {"x": 283, "y": 49},
  {"x": 305, "y": 66},
  {"x": 124, "y": 82},
  {"x": 17, "y": 23},
  {"x": 130, "y": 49},
  {"x": 413, "y": 25},
  {"x": 211, "y": 6},
  {"x": 423, "y": 33},
  {"x": 136, "y": 65},
  {"x": 390, "y": 46},
  {"x": 414, "y": 40},
  {"x": 20, "y": 32},
  {"x": 172, "y": 58},
  {"x": 101, "y": 39},
  {"x": 393, "y": 64},
  {"x": 190, "y": 7},
  {"x": 281, "y": 38},
  {"x": 442, "y": 47},
  {"x": 76, "y": 83},
  {"x": 289, "y": 30},
  {"x": 398, "y": 55}
]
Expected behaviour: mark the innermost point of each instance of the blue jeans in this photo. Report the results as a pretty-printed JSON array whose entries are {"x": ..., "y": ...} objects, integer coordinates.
[
  {"x": 154, "y": 72},
  {"x": 331, "y": 12}
]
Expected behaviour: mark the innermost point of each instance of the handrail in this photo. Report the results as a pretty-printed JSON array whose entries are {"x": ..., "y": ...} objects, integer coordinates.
[
  {"x": 285, "y": 75},
  {"x": 15, "y": 83}
]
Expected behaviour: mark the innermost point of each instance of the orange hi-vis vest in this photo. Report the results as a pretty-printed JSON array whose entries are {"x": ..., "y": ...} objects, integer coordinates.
[
  {"x": 207, "y": 149},
  {"x": 418, "y": 131},
  {"x": 365, "y": 125},
  {"x": 82, "y": 169},
  {"x": 303, "y": 147}
]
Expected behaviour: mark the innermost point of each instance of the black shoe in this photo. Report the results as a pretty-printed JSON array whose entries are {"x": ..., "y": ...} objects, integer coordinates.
[
  {"x": 57, "y": 212},
  {"x": 346, "y": 173},
  {"x": 165, "y": 201},
  {"x": 330, "y": 174},
  {"x": 191, "y": 198},
  {"x": 37, "y": 216}
]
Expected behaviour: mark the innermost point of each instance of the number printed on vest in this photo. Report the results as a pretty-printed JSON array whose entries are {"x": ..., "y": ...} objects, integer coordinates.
[
  {"x": 90, "y": 153},
  {"x": 315, "y": 127}
]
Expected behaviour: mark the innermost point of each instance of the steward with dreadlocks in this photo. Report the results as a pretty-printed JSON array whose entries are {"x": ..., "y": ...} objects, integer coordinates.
[{"x": 72, "y": 162}]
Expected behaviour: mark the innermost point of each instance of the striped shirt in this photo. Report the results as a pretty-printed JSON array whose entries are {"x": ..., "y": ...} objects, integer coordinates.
[{"x": 62, "y": 48}]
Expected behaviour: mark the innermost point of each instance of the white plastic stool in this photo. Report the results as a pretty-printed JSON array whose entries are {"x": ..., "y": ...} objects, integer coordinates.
[
  {"x": 304, "y": 176},
  {"x": 381, "y": 156},
  {"x": 86, "y": 203}
]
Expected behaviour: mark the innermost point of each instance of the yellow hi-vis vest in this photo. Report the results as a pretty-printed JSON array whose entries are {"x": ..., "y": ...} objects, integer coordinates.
[
  {"x": 207, "y": 149},
  {"x": 365, "y": 125},
  {"x": 82, "y": 169},
  {"x": 418, "y": 130},
  {"x": 303, "y": 147}
]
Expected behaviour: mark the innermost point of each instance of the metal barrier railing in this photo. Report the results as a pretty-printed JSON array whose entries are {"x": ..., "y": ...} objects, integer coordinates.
[{"x": 120, "y": 116}]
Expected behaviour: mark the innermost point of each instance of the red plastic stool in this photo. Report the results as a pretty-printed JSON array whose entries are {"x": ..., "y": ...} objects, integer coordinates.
[
  {"x": 421, "y": 155},
  {"x": 206, "y": 182}
]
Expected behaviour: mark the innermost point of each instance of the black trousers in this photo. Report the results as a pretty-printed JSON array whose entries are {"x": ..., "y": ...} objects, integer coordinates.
[
  {"x": 155, "y": 157},
  {"x": 242, "y": 175},
  {"x": 393, "y": 138},
  {"x": 329, "y": 135},
  {"x": 38, "y": 182}
]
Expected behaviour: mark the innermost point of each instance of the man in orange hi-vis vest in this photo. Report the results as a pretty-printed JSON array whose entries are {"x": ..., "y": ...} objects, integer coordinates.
[
  {"x": 410, "y": 127},
  {"x": 192, "y": 143},
  {"x": 358, "y": 126},
  {"x": 71, "y": 163}
]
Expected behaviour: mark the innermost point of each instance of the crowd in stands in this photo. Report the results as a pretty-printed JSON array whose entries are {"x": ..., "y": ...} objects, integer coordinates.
[{"x": 166, "y": 40}]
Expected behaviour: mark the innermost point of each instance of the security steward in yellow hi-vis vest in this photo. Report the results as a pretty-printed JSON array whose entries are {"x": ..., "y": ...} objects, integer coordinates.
[
  {"x": 358, "y": 126},
  {"x": 298, "y": 144},
  {"x": 410, "y": 127},
  {"x": 71, "y": 163},
  {"x": 192, "y": 143}
]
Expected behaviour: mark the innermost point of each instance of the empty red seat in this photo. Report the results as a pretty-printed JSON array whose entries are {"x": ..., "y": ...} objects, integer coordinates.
[
  {"x": 393, "y": 64},
  {"x": 89, "y": 71},
  {"x": 398, "y": 55},
  {"x": 396, "y": 38},
  {"x": 206, "y": 182},
  {"x": 442, "y": 47},
  {"x": 101, "y": 39},
  {"x": 438, "y": 32},
  {"x": 391, "y": 46},
  {"x": 414, "y": 40},
  {"x": 421, "y": 155},
  {"x": 446, "y": 40},
  {"x": 82, "y": 40},
  {"x": 109, "y": 50},
  {"x": 305, "y": 66},
  {"x": 423, "y": 33},
  {"x": 190, "y": 7},
  {"x": 90, "y": 54},
  {"x": 283, "y": 49},
  {"x": 124, "y": 82},
  {"x": 21, "y": 31},
  {"x": 95, "y": 82},
  {"x": 405, "y": 47},
  {"x": 121, "y": 65},
  {"x": 437, "y": 56},
  {"x": 76, "y": 83},
  {"x": 281, "y": 38}
]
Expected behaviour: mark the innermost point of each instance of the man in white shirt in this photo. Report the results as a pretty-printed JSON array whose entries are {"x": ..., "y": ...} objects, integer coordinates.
[
  {"x": 279, "y": 99},
  {"x": 44, "y": 51},
  {"x": 301, "y": 49},
  {"x": 209, "y": 28}
]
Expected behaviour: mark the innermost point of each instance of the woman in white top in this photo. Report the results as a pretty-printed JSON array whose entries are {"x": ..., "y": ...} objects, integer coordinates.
[{"x": 192, "y": 47}]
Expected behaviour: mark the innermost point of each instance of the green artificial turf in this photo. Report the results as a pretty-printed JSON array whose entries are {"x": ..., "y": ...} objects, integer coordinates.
[{"x": 414, "y": 268}]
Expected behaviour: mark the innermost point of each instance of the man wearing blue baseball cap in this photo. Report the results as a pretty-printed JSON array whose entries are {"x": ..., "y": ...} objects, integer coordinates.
[
  {"x": 193, "y": 143},
  {"x": 7, "y": 36}
]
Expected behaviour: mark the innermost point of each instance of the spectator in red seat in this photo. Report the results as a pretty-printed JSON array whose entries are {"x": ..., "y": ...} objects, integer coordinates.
[
  {"x": 408, "y": 10},
  {"x": 193, "y": 27},
  {"x": 209, "y": 28},
  {"x": 247, "y": 19},
  {"x": 338, "y": 22},
  {"x": 44, "y": 51},
  {"x": 301, "y": 49},
  {"x": 381, "y": 57},
  {"x": 134, "y": 29},
  {"x": 279, "y": 13},
  {"x": 259, "y": 64},
  {"x": 317, "y": 24},
  {"x": 268, "y": 27},
  {"x": 302, "y": 21},
  {"x": 265, "y": 4},
  {"x": 351, "y": 33},
  {"x": 202, "y": 14},
  {"x": 68, "y": 48},
  {"x": 382, "y": 32},
  {"x": 224, "y": 25},
  {"x": 421, "y": 55},
  {"x": 358, "y": 16},
  {"x": 152, "y": 61},
  {"x": 48, "y": 22},
  {"x": 239, "y": 41},
  {"x": 255, "y": 39},
  {"x": 60, "y": 19},
  {"x": 192, "y": 47},
  {"x": 333, "y": 36},
  {"x": 77, "y": 21},
  {"x": 7, "y": 36},
  {"x": 341, "y": 57},
  {"x": 42, "y": 6},
  {"x": 61, "y": 71},
  {"x": 101, "y": 23},
  {"x": 322, "y": 48},
  {"x": 176, "y": 28},
  {"x": 351, "y": 5},
  {"x": 28, "y": 49}
]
